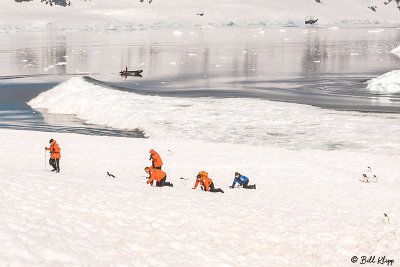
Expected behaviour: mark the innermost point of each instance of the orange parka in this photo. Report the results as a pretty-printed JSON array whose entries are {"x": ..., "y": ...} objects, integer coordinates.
[
  {"x": 155, "y": 174},
  {"x": 157, "y": 162},
  {"x": 203, "y": 179},
  {"x": 55, "y": 150}
]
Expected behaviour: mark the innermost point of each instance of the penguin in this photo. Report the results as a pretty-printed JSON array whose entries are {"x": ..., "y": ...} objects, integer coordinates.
[
  {"x": 385, "y": 219},
  {"x": 184, "y": 180},
  {"x": 365, "y": 178}
]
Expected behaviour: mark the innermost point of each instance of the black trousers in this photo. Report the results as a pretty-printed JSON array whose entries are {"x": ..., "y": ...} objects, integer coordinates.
[
  {"x": 163, "y": 182},
  {"x": 247, "y": 186},
  {"x": 159, "y": 167},
  {"x": 55, "y": 163},
  {"x": 212, "y": 188}
]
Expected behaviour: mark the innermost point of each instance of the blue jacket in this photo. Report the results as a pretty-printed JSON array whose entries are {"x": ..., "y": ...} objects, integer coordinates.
[{"x": 240, "y": 181}]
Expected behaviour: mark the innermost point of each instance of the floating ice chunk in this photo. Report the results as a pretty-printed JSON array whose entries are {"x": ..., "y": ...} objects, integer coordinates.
[
  {"x": 396, "y": 51},
  {"x": 282, "y": 30},
  {"x": 334, "y": 28},
  {"x": 376, "y": 31},
  {"x": 172, "y": 63},
  {"x": 381, "y": 100},
  {"x": 354, "y": 54},
  {"x": 177, "y": 33},
  {"x": 61, "y": 63},
  {"x": 192, "y": 54},
  {"x": 386, "y": 83},
  {"x": 24, "y": 60}
]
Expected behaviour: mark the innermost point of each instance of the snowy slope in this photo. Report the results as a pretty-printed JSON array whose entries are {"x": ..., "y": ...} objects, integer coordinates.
[
  {"x": 259, "y": 122},
  {"x": 129, "y": 14},
  {"x": 309, "y": 208}
]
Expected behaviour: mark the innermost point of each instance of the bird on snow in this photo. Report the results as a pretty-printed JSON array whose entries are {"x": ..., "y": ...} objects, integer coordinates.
[
  {"x": 385, "y": 219},
  {"x": 110, "y": 175}
]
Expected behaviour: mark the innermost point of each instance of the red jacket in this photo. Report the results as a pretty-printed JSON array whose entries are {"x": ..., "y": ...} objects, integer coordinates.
[
  {"x": 203, "y": 179},
  {"x": 55, "y": 150},
  {"x": 157, "y": 162},
  {"x": 156, "y": 174}
]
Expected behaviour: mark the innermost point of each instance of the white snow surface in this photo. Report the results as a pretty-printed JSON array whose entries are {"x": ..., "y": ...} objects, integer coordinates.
[
  {"x": 387, "y": 83},
  {"x": 131, "y": 14},
  {"x": 309, "y": 208}
]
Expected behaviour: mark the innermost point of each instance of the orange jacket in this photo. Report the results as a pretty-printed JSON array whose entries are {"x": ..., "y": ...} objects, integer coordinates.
[
  {"x": 202, "y": 177},
  {"x": 157, "y": 162},
  {"x": 55, "y": 150},
  {"x": 156, "y": 174}
]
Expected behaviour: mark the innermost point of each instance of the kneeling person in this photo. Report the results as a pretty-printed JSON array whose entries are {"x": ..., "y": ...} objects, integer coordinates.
[
  {"x": 206, "y": 183},
  {"x": 243, "y": 181},
  {"x": 158, "y": 175}
]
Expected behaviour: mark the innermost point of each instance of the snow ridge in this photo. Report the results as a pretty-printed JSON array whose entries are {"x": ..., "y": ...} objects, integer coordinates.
[{"x": 257, "y": 122}]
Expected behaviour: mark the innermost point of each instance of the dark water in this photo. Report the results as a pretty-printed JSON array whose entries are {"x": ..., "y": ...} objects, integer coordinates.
[{"x": 315, "y": 66}]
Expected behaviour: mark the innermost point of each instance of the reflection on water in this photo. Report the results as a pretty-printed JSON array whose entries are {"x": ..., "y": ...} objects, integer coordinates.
[
  {"x": 35, "y": 121},
  {"x": 228, "y": 52}
]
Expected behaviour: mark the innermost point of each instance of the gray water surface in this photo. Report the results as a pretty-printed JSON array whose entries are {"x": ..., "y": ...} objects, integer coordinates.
[{"x": 314, "y": 66}]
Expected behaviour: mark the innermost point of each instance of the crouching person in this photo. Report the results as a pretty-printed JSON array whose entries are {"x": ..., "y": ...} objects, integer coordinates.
[
  {"x": 206, "y": 183},
  {"x": 158, "y": 175},
  {"x": 243, "y": 181}
]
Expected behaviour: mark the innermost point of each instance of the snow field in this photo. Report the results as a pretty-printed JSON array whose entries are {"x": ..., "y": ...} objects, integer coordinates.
[{"x": 309, "y": 207}]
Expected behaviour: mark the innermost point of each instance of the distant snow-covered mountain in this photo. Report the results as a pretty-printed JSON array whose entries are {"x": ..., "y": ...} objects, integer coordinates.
[{"x": 134, "y": 14}]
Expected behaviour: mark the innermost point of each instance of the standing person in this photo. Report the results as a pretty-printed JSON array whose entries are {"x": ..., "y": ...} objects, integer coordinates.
[
  {"x": 243, "y": 181},
  {"x": 156, "y": 161},
  {"x": 55, "y": 155},
  {"x": 158, "y": 175},
  {"x": 206, "y": 183}
]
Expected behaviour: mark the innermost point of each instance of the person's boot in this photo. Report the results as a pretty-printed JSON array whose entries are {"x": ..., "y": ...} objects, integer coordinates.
[
  {"x": 171, "y": 185},
  {"x": 254, "y": 186},
  {"x": 53, "y": 170}
]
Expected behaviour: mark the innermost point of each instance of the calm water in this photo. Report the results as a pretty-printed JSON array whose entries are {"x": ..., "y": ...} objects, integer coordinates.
[{"x": 315, "y": 66}]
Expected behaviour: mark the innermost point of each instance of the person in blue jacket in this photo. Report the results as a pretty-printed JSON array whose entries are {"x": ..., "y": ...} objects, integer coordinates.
[{"x": 243, "y": 181}]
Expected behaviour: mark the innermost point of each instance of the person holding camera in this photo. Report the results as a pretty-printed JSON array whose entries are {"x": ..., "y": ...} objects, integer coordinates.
[
  {"x": 55, "y": 155},
  {"x": 243, "y": 181},
  {"x": 155, "y": 158},
  {"x": 158, "y": 175},
  {"x": 206, "y": 183}
]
